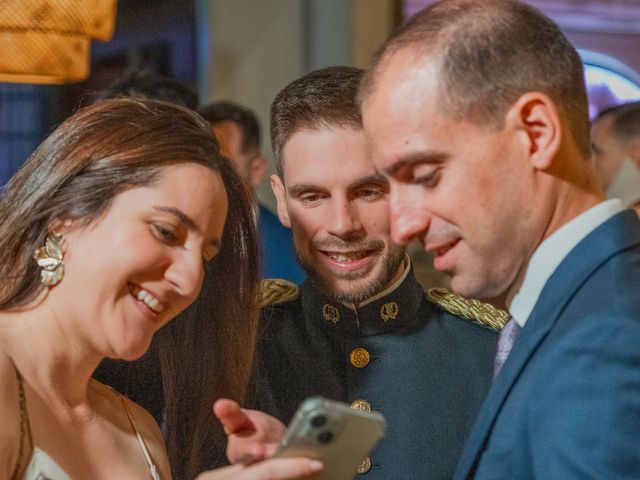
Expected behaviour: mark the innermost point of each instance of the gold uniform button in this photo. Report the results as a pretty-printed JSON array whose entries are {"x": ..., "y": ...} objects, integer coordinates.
[
  {"x": 359, "y": 357},
  {"x": 364, "y": 466},
  {"x": 361, "y": 405}
]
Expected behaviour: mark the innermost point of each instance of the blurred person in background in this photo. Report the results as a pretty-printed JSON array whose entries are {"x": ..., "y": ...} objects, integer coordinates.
[
  {"x": 238, "y": 132},
  {"x": 615, "y": 139},
  {"x": 147, "y": 84}
]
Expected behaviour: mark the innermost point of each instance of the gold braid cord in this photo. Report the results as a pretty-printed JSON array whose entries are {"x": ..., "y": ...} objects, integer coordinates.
[
  {"x": 277, "y": 290},
  {"x": 469, "y": 308}
]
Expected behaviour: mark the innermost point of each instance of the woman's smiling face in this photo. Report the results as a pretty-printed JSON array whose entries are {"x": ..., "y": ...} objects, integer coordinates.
[{"x": 141, "y": 263}]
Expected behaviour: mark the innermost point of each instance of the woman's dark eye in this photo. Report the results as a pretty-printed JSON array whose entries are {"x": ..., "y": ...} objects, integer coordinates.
[{"x": 165, "y": 234}]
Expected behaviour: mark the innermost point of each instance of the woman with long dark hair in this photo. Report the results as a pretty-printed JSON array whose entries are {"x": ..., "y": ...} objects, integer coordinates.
[{"x": 108, "y": 232}]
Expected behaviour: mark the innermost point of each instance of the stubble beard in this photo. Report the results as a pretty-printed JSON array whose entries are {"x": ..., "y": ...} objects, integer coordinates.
[{"x": 325, "y": 282}]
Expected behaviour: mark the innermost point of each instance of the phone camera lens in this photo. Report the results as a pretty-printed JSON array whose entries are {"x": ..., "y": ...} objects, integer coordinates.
[
  {"x": 325, "y": 437},
  {"x": 318, "y": 421}
]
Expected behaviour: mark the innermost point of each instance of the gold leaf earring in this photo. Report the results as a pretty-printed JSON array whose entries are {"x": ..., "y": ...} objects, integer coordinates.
[{"x": 49, "y": 258}]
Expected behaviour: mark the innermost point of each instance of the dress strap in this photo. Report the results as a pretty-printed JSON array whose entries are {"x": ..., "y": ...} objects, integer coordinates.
[
  {"x": 25, "y": 425},
  {"x": 143, "y": 445}
]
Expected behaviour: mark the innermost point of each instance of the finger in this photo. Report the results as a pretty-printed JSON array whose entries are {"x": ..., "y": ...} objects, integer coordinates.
[
  {"x": 270, "y": 449},
  {"x": 283, "y": 468},
  {"x": 245, "y": 452},
  {"x": 231, "y": 473},
  {"x": 223, "y": 406},
  {"x": 275, "y": 469},
  {"x": 232, "y": 417}
]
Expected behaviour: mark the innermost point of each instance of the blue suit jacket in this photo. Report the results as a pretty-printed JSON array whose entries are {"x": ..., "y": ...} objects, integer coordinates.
[
  {"x": 276, "y": 247},
  {"x": 567, "y": 402}
]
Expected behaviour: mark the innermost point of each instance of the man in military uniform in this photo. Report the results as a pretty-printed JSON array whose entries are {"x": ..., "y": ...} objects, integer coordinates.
[{"x": 360, "y": 329}]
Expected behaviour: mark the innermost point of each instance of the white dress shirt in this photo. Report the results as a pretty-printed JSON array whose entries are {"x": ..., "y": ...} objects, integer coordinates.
[{"x": 552, "y": 251}]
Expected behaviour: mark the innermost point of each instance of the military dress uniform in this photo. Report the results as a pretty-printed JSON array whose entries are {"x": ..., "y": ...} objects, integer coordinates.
[{"x": 405, "y": 355}]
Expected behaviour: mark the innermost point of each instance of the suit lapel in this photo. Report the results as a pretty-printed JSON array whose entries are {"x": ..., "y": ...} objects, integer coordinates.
[{"x": 619, "y": 233}]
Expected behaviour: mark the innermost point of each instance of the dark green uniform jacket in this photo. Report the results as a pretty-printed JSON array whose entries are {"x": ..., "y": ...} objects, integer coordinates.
[{"x": 425, "y": 369}]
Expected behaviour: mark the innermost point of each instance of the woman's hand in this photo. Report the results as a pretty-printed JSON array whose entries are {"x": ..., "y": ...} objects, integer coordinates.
[
  {"x": 252, "y": 435},
  {"x": 272, "y": 469}
]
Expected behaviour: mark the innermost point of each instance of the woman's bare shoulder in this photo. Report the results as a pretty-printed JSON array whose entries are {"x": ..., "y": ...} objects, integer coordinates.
[
  {"x": 150, "y": 431},
  {"x": 10, "y": 414},
  {"x": 146, "y": 426}
]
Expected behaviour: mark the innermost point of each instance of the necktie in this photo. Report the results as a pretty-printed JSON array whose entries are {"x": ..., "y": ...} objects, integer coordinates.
[{"x": 505, "y": 343}]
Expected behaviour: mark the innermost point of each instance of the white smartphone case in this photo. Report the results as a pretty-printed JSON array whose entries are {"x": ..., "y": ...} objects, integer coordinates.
[{"x": 334, "y": 433}]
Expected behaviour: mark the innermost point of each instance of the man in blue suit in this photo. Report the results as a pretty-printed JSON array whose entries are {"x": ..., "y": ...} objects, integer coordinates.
[{"x": 476, "y": 111}]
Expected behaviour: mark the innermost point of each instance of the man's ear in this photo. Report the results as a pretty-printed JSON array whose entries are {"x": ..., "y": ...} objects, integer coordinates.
[
  {"x": 281, "y": 198},
  {"x": 536, "y": 115},
  {"x": 257, "y": 170}
]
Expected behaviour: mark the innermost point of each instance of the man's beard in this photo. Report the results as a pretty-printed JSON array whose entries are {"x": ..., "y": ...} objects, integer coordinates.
[{"x": 391, "y": 262}]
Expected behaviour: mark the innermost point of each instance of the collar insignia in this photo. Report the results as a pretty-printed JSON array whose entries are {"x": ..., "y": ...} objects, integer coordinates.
[
  {"x": 389, "y": 311},
  {"x": 330, "y": 313}
]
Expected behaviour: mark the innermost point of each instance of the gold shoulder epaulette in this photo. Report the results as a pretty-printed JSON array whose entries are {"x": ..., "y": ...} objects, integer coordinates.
[
  {"x": 469, "y": 308},
  {"x": 277, "y": 290}
]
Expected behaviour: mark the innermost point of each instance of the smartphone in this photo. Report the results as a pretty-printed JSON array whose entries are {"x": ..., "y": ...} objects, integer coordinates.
[{"x": 334, "y": 433}]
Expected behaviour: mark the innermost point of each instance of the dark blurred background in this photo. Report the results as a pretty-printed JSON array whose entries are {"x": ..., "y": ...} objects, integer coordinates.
[{"x": 246, "y": 50}]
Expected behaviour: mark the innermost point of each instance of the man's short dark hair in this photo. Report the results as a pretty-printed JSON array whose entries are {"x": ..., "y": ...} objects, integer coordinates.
[
  {"x": 325, "y": 97},
  {"x": 246, "y": 119},
  {"x": 146, "y": 84},
  {"x": 626, "y": 121},
  {"x": 490, "y": 52}
]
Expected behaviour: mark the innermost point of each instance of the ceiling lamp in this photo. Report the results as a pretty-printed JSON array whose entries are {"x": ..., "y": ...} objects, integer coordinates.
[{"x": 48, "y": 41}]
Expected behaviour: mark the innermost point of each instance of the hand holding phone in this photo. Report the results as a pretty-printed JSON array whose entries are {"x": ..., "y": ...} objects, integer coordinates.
[{"x": 334, "y": 433}]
